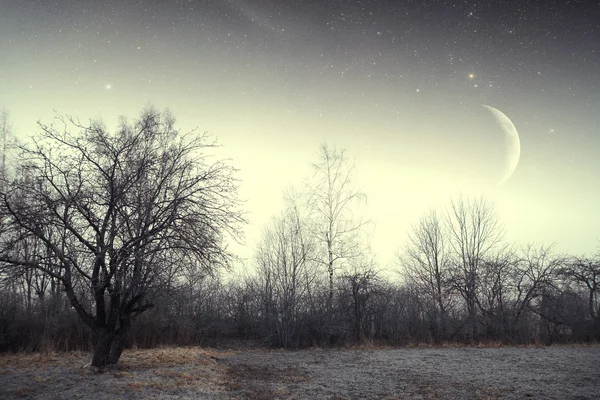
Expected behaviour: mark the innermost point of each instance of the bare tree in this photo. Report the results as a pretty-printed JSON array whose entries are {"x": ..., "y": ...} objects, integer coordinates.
[
  {"x": 331, "y": 200},
  {"x": 425, "y": 261},
  {"x": 585, "y": 273},
  {"x": 473, "y": 231},
  {"x": 494, "y": 292},
  {"x": 361, "y": 283},
  {"x": 121, "y": 215},
  {"x": 285, "y": 267},
  {"x": 4, "y": 132},
  {"x": 535, "y": 273}
]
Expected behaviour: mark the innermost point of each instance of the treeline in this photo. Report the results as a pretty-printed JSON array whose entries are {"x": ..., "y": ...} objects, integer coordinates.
[
  {"x": 313, "y": 282},
  {"x": 532, "y": 297}
]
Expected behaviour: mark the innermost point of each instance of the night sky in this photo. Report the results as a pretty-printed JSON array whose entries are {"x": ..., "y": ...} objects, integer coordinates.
[{"x": 399, "y": 84}]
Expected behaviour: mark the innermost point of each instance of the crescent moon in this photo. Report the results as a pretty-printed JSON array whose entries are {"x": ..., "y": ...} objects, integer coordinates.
[{"x": 511, "y": 143}]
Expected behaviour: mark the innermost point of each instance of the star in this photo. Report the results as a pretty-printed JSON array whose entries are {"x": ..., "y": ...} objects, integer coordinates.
[{"x": 108, "y": 86}]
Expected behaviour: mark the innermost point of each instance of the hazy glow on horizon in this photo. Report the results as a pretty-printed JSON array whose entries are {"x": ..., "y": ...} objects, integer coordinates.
[{"x": 400, "y": 87}]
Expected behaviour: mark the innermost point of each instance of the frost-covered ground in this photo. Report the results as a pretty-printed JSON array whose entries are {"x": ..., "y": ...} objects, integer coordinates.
[
  {"x": 450, "y": 373},
  {"x": 192, "y": 373}
]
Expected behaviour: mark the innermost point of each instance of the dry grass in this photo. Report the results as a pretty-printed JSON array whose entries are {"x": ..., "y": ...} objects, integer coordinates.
[
  {"x": 173, "y": 356},
  {"x": 168, "y": 357},
  {"x": 42, "y": 360},
  {"x": 131, "y": 359},
  {"x": 171, "y": 370}
]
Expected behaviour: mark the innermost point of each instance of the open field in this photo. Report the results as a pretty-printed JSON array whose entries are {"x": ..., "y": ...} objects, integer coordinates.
[{"x": 399, "y": 373}]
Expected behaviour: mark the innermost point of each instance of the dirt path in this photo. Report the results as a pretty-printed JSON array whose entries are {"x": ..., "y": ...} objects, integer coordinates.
[{"x": 193, "y": 373}]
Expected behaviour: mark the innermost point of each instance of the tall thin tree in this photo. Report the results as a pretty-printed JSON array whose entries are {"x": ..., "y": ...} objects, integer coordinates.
[{"x": 332, "y": 197}]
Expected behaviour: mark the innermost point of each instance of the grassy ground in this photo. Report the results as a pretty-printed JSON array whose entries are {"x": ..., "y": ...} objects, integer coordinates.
[
  {"x": 165, "y": 372},
  {"x": 368, "y": 372}
]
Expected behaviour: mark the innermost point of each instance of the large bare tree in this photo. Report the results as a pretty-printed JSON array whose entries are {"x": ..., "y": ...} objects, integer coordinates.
[{"x": 119, "y": 216}]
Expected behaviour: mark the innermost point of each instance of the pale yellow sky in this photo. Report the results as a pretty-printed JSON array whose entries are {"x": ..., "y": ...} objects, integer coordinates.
[
  {"x": 402, "y": 177},
  {"x": 400, "y": 94}
]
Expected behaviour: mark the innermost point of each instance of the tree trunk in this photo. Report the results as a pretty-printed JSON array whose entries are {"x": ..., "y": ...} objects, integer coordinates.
[
  {"x": 102, "y": 348},
  {"x": 443, "y": 322},
  {"x": 117, "y": 347},
  {"x": 474, "y": 331},
  {"x": 330, "y": 270},
  {"x": 109, "y": 347}
]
